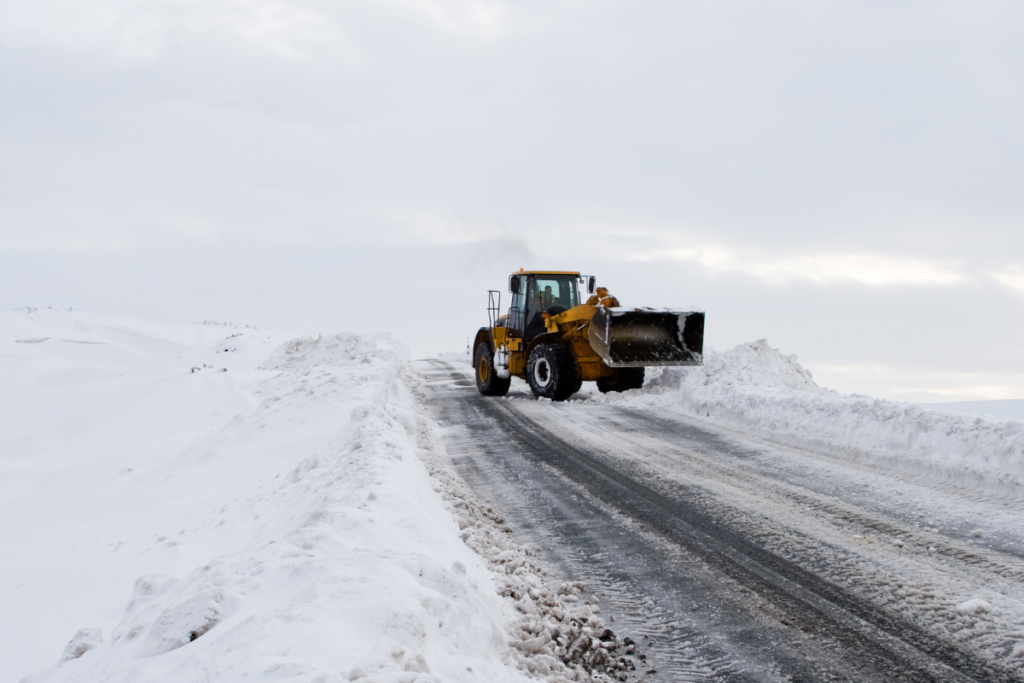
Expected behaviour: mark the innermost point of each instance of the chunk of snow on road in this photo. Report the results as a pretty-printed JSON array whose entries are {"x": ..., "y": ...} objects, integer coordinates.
[
  {"x": 975, "y": 606},
  {"x": 756, "y": 388}
]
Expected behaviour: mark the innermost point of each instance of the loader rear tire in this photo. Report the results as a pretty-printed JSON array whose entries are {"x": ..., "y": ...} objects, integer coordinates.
[
  {"x": 624, "y": 380},
  {"x": 487, "y": 380},
  {"x": 551, "y": 372}
]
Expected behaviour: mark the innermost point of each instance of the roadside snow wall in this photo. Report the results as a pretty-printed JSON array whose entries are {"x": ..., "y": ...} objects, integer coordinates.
[
  {"x": 755, "y": 388},
  {"x": 338, "y": 559}
]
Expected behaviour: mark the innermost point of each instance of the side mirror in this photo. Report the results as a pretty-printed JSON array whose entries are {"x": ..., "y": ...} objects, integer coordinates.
[
  {"x": 513, "y": 284},
  {"x": 591, "y": 284}
]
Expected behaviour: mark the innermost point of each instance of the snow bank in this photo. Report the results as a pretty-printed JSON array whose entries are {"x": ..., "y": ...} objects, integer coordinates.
[
  {"x": 271, "y": 520},
  {"x": 756, "y": 388},
  {"x": 306, "y": 354}
]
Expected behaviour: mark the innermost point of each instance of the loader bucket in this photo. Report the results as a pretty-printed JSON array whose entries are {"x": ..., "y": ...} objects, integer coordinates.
[{"x": 627, "y": 337}]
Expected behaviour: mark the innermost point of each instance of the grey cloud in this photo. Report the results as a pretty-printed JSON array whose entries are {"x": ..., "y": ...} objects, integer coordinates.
[{"x": 352, "y": 139}]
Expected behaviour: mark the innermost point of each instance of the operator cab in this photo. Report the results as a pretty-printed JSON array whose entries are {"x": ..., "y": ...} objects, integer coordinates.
[{"x": 534, "y": 294}]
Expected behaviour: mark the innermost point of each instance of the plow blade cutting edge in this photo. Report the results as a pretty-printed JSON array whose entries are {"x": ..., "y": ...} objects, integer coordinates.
[{"x": 628, "y": 337}]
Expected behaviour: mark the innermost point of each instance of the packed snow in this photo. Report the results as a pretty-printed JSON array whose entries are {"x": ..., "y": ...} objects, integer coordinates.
[
  {"x": 759, "y": 390},
  {"x": 197, "y": 502}
]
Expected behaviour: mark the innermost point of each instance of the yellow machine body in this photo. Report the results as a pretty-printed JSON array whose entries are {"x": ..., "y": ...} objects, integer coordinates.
[
  {"x": 555, "y": 341},
  {"x": 572, "y": 327}
]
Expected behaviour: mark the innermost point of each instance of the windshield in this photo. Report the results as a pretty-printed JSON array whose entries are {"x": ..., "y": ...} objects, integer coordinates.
[
  {"x": 551, "y": 291},
  {"x": 539, "y": 294}
]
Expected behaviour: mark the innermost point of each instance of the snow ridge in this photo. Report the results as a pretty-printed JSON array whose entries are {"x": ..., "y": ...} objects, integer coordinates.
[
  {"x": 756, "y": 388},
  {"x": 336, "y": 349},
  {"x": 339, "y": 561}
]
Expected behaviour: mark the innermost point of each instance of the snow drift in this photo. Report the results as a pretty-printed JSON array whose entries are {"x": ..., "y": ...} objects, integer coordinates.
[{"x": 756, "y": 388}]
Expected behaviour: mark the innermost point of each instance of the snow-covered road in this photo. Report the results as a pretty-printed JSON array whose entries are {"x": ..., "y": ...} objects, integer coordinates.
[{"x": 730, "y": 556}]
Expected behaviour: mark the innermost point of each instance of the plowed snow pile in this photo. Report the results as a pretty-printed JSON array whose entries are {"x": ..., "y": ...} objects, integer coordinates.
[
  {"x": 759, "y": 390},
  {"x": 186, "y": 504}
]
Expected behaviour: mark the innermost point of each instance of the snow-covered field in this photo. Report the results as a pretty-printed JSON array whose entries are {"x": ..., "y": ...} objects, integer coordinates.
[
  {"x": 209, "y": 502},
  {"x": 197, "y": 502},
  {"x": 758, "y": 390}
]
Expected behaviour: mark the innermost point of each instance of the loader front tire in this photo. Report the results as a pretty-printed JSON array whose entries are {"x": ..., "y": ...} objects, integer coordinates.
[
  {"x": 551, "y": 372},
  {"x": 623, "y": 380},
  {"x": 487, "y": 380}
]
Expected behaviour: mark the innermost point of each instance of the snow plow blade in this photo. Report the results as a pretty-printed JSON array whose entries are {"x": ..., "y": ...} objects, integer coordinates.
[{"x": 638, "y": 337}]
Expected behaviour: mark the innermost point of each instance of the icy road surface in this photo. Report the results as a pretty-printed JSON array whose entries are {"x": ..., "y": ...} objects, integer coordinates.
[{"x": 732, "y": 558}]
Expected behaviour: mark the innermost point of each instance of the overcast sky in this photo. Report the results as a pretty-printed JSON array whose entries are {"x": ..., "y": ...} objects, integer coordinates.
[{"x": 842, "y": 178}]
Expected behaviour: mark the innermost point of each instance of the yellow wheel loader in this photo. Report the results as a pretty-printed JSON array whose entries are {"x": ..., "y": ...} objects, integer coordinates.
[{"x": 556, "y": 341}]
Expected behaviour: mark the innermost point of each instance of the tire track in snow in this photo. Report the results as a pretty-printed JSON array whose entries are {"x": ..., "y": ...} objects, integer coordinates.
[
  {"x": 921, "y": 579},
  {"x": 1005, "y": 566},
  {"x": 1008, "y": 564},
  {"x": 547, "y": 514}
]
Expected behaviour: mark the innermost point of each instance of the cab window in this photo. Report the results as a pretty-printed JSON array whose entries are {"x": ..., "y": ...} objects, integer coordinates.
[
  {"x": 517, "y": 310},
  {"x": 547, "y": 294},
  {"x": 551, "y": 291}
]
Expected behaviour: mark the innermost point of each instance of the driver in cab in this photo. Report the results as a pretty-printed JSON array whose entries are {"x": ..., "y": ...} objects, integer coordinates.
[
  {"x": 536, "y": 324},
  {"x": 548, "y": 298},
  {"x": 542, "y": 301}
]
